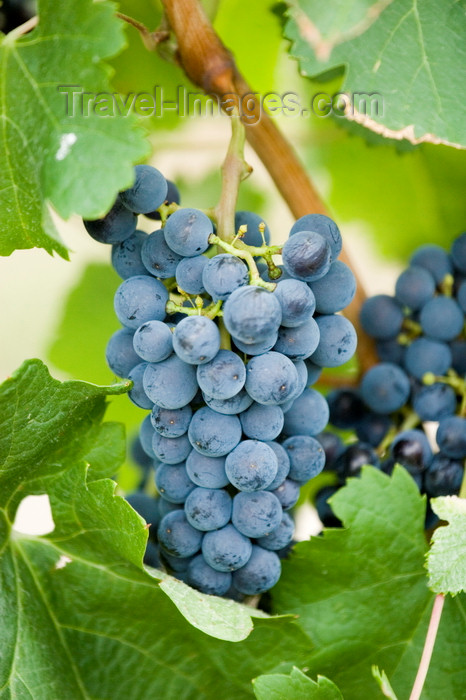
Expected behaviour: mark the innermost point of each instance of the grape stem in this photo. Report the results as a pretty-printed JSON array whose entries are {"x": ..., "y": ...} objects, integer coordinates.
[
  {"x": 245, "y": 254},
  {"x": 428, "y": 647},
  {"x": 225, "y": 340},
  {"x": 151, "y": 40},
  {"x": 234, "y": 171}
]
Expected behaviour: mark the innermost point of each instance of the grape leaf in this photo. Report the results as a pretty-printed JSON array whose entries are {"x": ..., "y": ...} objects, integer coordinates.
[
  {"x": 295, "y": 686},
  {"x": 362, "y": 597},
  {"x": 446, "y": 559},
  {"x": 52, "y": 153},
  {"x": 81, "y": 593},
  {"x": 393, "y": 53}
]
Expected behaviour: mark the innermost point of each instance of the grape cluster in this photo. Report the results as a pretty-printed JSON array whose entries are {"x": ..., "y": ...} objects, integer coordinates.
[
  {"x": 222, "y": 346},
  {"x": 421, "y": 343}
]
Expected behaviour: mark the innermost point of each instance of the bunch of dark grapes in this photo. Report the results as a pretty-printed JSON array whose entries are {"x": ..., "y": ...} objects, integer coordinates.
[
  {"x": 421, "y": 343},
  {"x": 222, "y": 346}
]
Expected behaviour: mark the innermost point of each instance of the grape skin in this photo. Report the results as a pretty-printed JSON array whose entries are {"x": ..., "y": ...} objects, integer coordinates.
[
  {"x": 140, "y": 299},
  {"x": 177, "y": 536}
]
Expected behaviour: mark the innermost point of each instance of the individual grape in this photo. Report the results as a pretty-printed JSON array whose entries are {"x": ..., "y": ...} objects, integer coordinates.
[
  {"x": 298, "y": 343},
  {"x": 390, "y": 351},
  {"x": 281, "y": 536},
  {"x": 167, "y": 507},
  {"x": 174, "y": 484},
  {"x": 441, "y": 318},
  {"x": 208, "y": 509},
  {"x": 271, "y": 378},
  {"x": 260, "y": 573},
  {"x": 332, "y": 444},
  {"x": 381, "y": 317},
  {"x": 434, "y": 402},
  {"x": 257, "y": 513},
  {"x": 262, "y": 422},
  {"x": 287, "y": 494},
  {"x": 461, "y": 296},
  {"x": 307, "y": 457},
  {"x": 187, "y": 232},
  {"x": 306, "y": 256},
  {"x": 223, "y": 274},
  {"x": 170, "y": 383},
  {"x": 208, "y": 472},
  {"x": 251, "y": 466},
  {"x": 372, "y": 428},
  {"x": 303, "y": 376},
  {"x": 444, "y": 476},
  {"x": 458, "y": 253},
  {"x": 115, "y": 227},
  {"x": 308, "y": 415},
  {"x": 152, "y": 555},
  {"x": 434, "y": 259},
  {"x": 324, "y": 511},
  {"x": 189, "y": 274},
  {"x": 414, "y": 287},
  {"x": 171, "y": 422},
  {"x": 427, "y": 355},
  {"x": 346, "y": 408},
  {"x": 458, "y": 356},
  {"x": 353, "y": 458},
  {"x": 196, "y": 340},
  {"x": 146, "y": 433},
  {"x": 223, "y": 377},
  {"x": 337, "y": 343},
  {"x": 385, "y": 388},
  {"x": 175, "y": 564},
  {"x": 251, "y": 314},
  {"x": 206, "y": 579},
  {"x": 214, "y": 434},
  {"x": 120, "y": 354},
  {"x": 296, "y": 300},
  {"x": 283, "y": 465},
  {"x": 140, "y": 299},
  {"x": 411, "y": 449},
  {"x": 148, "y": 192},
  {"x": 171, "y": 450},
  {"x": 177, "y": 536},
  {"x": 229, "y": 407},
  {"x": 158, "y": 259},
  {"x": 259, "y": 348},
  {"x": 147, "y": 507},
  {"x": 153, "y": 341},
  {"x": 336, "y": 290},
  {"x": 173, "y": 197},
  {"x": 253, "y": 235},
  {"x": 126, "y": 256},
  {"x": 451, "y": 436},
  {"x": 321, "y": 224},
  {"x": 226, "y": 549},
  {"x": 313, "y": 372},
  {"x": 137, "y": 394}
]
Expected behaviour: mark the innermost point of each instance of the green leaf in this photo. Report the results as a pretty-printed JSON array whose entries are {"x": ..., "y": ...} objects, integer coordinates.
[
  {"x": 362, "y": 597},
  {"x": 446, "y": 560},
  {"x": 81, "y": 594},
  {"x": 396, "y": 51},
  {"x": 296, "y": 686},
  {"x": 51, "y": 154},
  {"x": 44, "y": 424}
]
